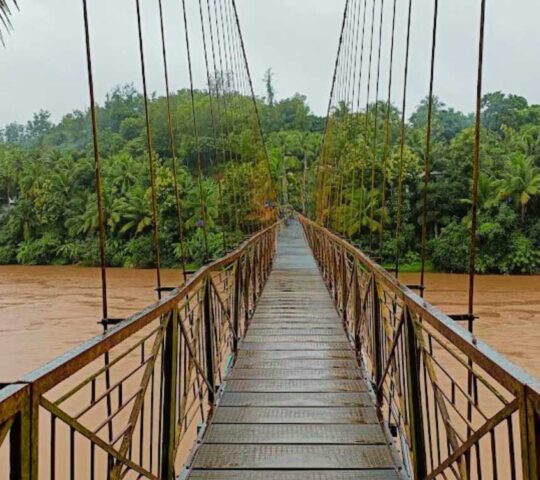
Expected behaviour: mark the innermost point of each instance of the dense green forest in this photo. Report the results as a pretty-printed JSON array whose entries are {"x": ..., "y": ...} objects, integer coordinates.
[{"x": 49, "y": 215}]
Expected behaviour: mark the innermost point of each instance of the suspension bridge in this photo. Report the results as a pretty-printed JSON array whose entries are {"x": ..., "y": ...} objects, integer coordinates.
[{"x": 296, "y": 355}]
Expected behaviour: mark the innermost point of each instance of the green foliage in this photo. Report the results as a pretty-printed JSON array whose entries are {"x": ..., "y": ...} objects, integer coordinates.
[
  {"x": 450, "y": 250},
  {"x": 41, "y": 251},
  {"x": 523, "y": 256},
  {"x": 48, "y": 211}
]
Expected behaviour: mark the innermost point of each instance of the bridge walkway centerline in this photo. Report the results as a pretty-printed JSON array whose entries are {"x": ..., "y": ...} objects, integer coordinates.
[{"x": 296, "y": 404}]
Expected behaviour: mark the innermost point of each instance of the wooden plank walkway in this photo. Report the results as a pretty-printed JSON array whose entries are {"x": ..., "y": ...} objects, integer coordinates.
[{"x": 295, "y": 405}]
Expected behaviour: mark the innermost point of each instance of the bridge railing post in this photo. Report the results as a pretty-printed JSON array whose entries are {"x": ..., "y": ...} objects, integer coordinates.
[
  {"x": 170, "y": 383},
  {"x": 209, "y": 340},
  {"x": 377, "y": 339},
  {"x": 530, "y": 436},
  {"x": 247, "y": 285},
  {"x": 236, "y": 303},
  {"x": 23, "y": 445},
  {"x": 344, "y": 296},
  {"x": 414, "y": 399}
]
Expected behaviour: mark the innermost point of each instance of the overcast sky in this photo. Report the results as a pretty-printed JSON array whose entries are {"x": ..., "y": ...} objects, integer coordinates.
[{"x": 43, "y": 65}]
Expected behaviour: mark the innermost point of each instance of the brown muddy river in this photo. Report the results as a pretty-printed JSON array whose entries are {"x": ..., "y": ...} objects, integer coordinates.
[{"x": 45, "y": 311}]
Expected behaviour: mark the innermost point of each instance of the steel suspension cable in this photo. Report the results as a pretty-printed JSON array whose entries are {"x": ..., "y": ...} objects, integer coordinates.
[
  {"x": 219, "y": 102},
  {"x": 376, "y": 125},
  {"x": 427, "y": 170},
  {"x": 352, "y": 188},
  {"x": 341, "y": 97},
  {"x": 101, "y": 215},
  {"x": 202, "y": 196},
  {"x": 97, "y": 162},
  {"x": 212, "y": 115},
  {"x": 233, "y": 213},
  {"x": 360, "y": 72},
  {"x": 151, "y": 163},
  {"x": 172, "y": 143},
  {"x": 319, "y": 200},
  {"x": 476, "y": 164},
  {"x": 367, "y": 122},
  {"x": 344, "y": 119},
  {"x": 237, "y": 112},
  {"x": 256, "y": 108},
  {"x": 402, "y": 141},
  {"x": 387, "y": 133},
  {"x": 356, "y": 35}
]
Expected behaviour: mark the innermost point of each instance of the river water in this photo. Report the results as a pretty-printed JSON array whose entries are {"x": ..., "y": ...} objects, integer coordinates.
[{"x": 45, "y": 311}]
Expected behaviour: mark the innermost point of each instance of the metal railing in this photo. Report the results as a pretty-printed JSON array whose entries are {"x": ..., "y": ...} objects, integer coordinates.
[
  {"x": 457, "y": 408},
  {"x": 127, "y": 404}
]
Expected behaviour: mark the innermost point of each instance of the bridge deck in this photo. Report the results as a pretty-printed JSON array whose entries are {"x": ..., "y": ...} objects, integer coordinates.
[{"x": 295, "y": 405}]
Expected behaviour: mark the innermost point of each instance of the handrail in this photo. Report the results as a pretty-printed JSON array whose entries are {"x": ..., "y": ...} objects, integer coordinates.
[
  {"x": 175, "y": 350},
  {"x": 453, "y": 400}
]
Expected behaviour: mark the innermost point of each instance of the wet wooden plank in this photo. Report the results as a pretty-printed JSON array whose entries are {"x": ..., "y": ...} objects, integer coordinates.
[
  {"x": 302, "y": 364},
  {"x": 270, "y": 340},
  {"x": 293, "y": 374},
  {"x": 344, "y": 345},
  {"x": 296, "y": 386},
  {"x": 296, "y": 434},
  {"x": 293, "y": 457},
  {"x": 298, "y": 475},
  {"x": 238, "y": 399},
  {"x": 286, "y": 328},
  {"x": 346, "y": 415},
  {"x": 263, "y": 355}
]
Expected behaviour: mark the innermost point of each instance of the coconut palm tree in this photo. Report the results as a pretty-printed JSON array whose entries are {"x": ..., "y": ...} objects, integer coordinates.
[
  {"x": 520, "y": 182},
  {"x": 5, "y": 12}
]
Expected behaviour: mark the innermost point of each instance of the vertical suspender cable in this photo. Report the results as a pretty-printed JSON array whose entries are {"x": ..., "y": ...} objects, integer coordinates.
[
  {"x": 427, "y": 171},
  {"x": 202, "y": 198},
  {"x": 236, "y": 102},
  {"x": 254, "y": 101},
  {"x": 155, "y": 222},
  {"x": 367, "y": 123},
  {"x": 476, "y": 163},
  {"x": 322, "y": 177},
  {"x": 360, "y": 71},
  {"x": 220, "y": 144},
  {"x": 213, "y": 117},
  {"x": 172, "y": 144},
  {"x": 101, "y": 214},
  {"x": 375, "y": 126},
  {"x": 99, "y": 189},
  {"x": 344, "y": 119},
  {"x": 220, "y": 83},
  {"x": 387, "y": 133},
  {"x": 402, "y": 140},
  {"x": 352, "y": 192}
]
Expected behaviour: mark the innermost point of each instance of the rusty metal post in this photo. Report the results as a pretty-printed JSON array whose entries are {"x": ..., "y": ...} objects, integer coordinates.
[
  {"x": 530, "y": 436},
  {"x": 236, "y": 303},
  {"x": 356, "y": 308},
  {"x": 344, "y": 295},
  {"x": 170, "y": 384},
  {"x": 416, "y": 421},
  {"x": 246, "y": 291},
  {"x": 209, "y": 337},
  {"x": 377, "y": 339},
  {"x": 23, "y": 458}
]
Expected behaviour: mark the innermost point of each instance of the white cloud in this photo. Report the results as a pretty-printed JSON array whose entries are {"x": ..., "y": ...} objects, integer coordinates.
[{"x": 43, "y": 63}]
